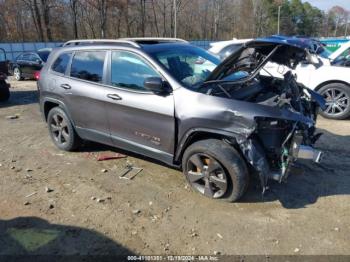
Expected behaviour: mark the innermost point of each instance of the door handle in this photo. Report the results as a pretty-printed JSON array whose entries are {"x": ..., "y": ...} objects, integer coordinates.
[
  {"x": 66, "y": 86},
  {"x": 114, "y": 96}
]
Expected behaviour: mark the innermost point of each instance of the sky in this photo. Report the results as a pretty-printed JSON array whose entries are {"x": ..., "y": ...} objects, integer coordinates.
[{"x": 327, "y": 4}]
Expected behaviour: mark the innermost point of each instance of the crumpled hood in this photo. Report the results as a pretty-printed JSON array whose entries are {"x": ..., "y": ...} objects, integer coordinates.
[{"x": 286, "y": 53}]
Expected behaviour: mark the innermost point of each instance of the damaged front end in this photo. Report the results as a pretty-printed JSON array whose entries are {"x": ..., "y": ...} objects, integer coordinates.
[{"x": 279, "y": 115}]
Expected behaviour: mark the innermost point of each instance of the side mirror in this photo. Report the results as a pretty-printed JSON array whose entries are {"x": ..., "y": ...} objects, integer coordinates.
[
  {"x": 155, "y": 84},
  {"x": 38, "y": 61}
]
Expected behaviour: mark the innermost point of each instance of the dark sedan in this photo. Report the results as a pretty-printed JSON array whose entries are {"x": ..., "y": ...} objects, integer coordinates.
[{"x": 29, "y": 64}]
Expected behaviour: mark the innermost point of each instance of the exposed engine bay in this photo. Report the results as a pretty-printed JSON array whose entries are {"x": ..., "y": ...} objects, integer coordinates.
[{"x": 281, "y": 113}]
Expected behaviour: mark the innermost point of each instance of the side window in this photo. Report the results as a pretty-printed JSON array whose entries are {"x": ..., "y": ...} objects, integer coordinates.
[
  {"x": 20, "y": 57},
  {"x": 25, "y": 57},
  {"x": 130, "y": 71},
  {"x": 60, "y": 64},
  {"x": 88, "y": 65}
]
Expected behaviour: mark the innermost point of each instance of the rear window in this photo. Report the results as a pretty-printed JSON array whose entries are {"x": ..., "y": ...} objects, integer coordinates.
[
  {"x": 60, "y": 65},
  {"x": 88, "y": 65},
  {"x": 24, "y": 57}
]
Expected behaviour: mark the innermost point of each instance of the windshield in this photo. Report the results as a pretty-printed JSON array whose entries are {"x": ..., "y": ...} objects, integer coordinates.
[
  {"x": 342, "y": 58},
  {"x": 323, "y": 52},
  {"x": 187, "y": 64}
]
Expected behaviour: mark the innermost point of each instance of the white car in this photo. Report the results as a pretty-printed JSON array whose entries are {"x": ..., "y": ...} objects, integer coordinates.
[
  {"x": 331, "y": 77},
  {"x": 223, "y": 49}
]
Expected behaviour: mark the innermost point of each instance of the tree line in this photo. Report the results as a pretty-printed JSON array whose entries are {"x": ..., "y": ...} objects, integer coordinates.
[{"x": 59, "y": 20}]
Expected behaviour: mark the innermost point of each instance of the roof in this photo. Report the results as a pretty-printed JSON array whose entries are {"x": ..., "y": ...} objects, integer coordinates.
[{"x": 132, "y": 42}]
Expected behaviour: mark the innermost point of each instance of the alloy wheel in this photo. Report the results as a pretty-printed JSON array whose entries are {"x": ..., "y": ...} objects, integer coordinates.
[
  {"x": 17, "y": 74},
  {"x": 337, "y": 101},
  {"x": 59, "y": 129},
  {"x": 206, "y": 175}
]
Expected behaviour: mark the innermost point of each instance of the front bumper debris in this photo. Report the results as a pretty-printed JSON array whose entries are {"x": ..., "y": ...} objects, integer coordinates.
[{"x": 310, "y": 153}]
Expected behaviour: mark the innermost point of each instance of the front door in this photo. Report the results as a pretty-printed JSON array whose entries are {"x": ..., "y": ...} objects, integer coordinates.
[{"x": 139, "y": 120}]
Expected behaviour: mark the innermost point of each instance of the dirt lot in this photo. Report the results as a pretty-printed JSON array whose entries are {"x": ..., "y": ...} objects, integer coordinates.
[{"x": 156, "y": 213}]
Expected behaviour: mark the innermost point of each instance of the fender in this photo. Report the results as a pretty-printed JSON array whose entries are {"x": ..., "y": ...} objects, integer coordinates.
[{"x": 60, "y": 104}]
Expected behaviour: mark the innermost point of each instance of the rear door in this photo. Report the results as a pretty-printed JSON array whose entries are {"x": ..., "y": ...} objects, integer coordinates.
[
  {"x": 140, "y": 120},
  {"x": 85, "y": 94}
]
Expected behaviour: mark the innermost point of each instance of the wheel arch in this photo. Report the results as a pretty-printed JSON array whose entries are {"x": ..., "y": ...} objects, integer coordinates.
[
  {"x": 50, "y": 103},
  {"x": 198, "y": 134},
  {"x": 331, "y": 82}
]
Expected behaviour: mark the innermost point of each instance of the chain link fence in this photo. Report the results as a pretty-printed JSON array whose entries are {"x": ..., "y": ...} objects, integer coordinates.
[{"x": 13, "y": 50}]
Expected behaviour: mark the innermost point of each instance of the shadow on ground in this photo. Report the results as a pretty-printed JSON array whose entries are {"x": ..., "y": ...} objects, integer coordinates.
[
  {"x": 31, "y": 237},
  {"x": 329, "y": 178},
  {"x": 18, "y": 98},
  {"x": 305, "y": 186}
]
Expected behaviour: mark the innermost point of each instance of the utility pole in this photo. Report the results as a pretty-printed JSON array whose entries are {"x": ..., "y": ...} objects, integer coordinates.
[
  {"x": 279, "y": 18},
  {"x": 336, "y": 27},
  {"x": 175, "y": 13}
]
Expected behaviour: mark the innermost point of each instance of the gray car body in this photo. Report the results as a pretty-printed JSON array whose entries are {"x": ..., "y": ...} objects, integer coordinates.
[{"x": 154, "y": 125}]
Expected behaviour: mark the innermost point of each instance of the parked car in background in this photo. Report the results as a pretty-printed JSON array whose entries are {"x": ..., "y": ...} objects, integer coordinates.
[
  {"x": 220, "y": 122},
  {"x": 330, "y": 76},
  {"x": 4, "y": 87},
  {"x": 29, "y": 64},
  {"x": 341, "y": 57}
]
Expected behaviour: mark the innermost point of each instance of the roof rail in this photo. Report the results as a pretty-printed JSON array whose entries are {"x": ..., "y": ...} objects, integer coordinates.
[
  {"x": 100, "y": 41},
  {"x": 154, "y": 39}
]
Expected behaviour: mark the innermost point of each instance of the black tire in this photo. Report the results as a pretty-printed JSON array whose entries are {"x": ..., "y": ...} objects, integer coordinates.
[
  {"x": 17, "y": 74},
  {"x": 338, "y": 101},
  {"x": 236, "y": 172},
  {"x": 61, "y": 130},
  {"x": 4, "y": 91}
]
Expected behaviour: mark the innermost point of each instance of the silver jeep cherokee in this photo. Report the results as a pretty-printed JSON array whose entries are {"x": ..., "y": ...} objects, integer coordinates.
[{"x": 174, "y": 102}]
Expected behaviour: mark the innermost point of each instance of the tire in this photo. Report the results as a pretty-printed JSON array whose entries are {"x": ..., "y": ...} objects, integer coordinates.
[
  {"x": 4, "y": 91},
  {"x": 61, "y": 130},
  {"x": 17, "y": 74},
  {"x": 228, "y": 180},
  {"x": 337, "y": 96}
]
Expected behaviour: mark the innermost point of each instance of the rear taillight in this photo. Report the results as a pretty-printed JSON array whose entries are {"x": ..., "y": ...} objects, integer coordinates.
[{"x": 37, "y": 75}]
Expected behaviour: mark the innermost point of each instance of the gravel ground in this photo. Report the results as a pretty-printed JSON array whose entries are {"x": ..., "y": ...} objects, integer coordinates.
[{"x": 89, "y": 210}]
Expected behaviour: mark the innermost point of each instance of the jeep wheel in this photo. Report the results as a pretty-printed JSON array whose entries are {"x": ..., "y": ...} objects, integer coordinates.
[
  {"x": 215, "y": 169},
  {"x": 17, "y": 74},
  {"x": 61, "y": 130},
  {"x": 337, "y": 101},
  {"x": 4, "y": 91}
]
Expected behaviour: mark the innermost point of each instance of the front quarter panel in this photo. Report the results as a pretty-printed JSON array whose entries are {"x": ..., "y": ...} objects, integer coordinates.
[{"x": 197, "y": 111}]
